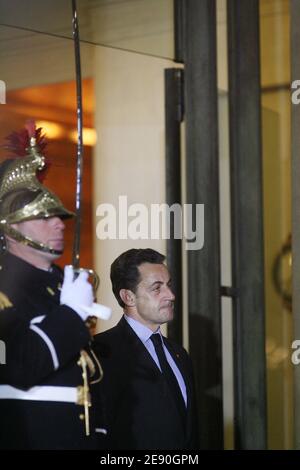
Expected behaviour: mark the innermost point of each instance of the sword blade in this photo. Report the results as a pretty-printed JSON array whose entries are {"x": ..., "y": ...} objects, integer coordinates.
[{"x": 79, "y": 160}]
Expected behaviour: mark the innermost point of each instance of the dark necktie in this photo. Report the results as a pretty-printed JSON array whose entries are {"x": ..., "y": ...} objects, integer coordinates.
[{"x": 169, "y": 375}]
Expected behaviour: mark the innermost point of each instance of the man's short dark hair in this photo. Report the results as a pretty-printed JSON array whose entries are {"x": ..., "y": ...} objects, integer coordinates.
[{"x": 124, "y": 272}]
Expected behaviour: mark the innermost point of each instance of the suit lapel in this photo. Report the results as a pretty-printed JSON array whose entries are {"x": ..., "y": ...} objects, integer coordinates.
[
  {"x": 144, "y": 357},
  {"x": 138, "y": 350},
  {"x": 135, "y": 350},
  {"x": 179, "y": 360}
]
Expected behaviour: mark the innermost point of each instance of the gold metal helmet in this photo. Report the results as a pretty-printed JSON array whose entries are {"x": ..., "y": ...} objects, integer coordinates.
[{"x": 22, "y": 195}]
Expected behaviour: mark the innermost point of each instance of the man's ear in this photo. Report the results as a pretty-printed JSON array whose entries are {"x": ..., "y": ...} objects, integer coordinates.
[{"x": 128, "y": 297}]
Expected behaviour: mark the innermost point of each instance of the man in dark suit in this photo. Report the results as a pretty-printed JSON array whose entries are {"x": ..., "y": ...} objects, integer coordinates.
[{"x": 148, "y": 379}]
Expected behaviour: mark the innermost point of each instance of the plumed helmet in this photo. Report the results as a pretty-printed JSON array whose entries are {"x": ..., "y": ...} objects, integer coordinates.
[{"x": 22, "y": 195}]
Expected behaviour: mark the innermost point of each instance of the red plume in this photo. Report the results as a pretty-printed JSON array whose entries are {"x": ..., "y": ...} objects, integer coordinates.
[
  {"x": 30, "y": 126},
  {"x": 18, "y": 142}
]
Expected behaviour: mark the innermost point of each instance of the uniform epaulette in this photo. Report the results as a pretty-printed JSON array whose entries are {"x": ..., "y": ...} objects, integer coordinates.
[{"x": 4, "y": 301}]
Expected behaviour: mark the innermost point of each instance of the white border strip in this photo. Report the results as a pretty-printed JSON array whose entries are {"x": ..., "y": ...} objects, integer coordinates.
[
  {"x": 40, "y": 393},
  {"x": 49, "y": 344}
]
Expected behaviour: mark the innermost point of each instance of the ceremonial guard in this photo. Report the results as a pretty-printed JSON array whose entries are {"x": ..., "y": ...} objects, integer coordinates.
[{"x": 49, "y": 375}]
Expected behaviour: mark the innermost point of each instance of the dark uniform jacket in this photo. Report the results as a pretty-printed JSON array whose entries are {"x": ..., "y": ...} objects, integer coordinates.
[
  {"x": 42, "y": 341},
  {"x": 140, "y": 414}
]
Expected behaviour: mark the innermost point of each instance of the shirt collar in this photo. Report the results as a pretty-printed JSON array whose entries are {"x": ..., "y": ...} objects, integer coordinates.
[{"x": 142, "y": 331}]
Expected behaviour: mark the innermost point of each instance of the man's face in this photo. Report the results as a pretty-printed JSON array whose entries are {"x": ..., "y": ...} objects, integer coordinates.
[
  {"x": 154, "y": 299},
  {"x": 48, "y": 231}
]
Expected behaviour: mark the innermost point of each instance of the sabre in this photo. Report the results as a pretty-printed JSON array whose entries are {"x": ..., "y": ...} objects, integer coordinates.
[
  {"x": 79, "y": 159},
  {"x": 96, "y": 310}
]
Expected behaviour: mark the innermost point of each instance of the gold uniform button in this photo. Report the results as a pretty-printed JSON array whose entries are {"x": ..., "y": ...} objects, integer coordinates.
[{"x": 51, "y": 291}]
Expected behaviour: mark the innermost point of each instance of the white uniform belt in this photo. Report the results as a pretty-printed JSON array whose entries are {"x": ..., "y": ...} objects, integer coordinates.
[{"x": 40, "y": 393}]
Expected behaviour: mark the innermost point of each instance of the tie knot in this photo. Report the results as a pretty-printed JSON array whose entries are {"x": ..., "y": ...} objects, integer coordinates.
[{"x": 156, "y": 339}]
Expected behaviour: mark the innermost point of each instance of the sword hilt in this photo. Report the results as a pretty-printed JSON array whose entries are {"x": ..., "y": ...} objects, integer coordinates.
[
  {"x": 95, "y": 310},
  {"x": 94, "y": 276}
]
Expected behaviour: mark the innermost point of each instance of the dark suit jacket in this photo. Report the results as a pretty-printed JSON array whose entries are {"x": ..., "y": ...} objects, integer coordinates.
[{"x": 139, "y": 412}]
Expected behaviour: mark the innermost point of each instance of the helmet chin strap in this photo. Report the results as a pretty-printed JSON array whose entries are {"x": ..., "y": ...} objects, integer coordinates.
[{"x": 13, "y": 233}]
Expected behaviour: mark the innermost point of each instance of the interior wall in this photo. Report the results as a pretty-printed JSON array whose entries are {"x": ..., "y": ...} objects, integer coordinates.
[
  {"x": 276, "y": 127},
  {"x": 275, "y": 82},
  {"x": 295, "y": 151},
  {"x": 278, "y": 317},
  {"x": 129, "y": 155}
]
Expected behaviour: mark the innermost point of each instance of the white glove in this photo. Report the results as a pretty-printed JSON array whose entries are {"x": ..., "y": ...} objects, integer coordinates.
[
  {"x": 77, "y": 293},
  {"x": 99, "y": 311}
]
